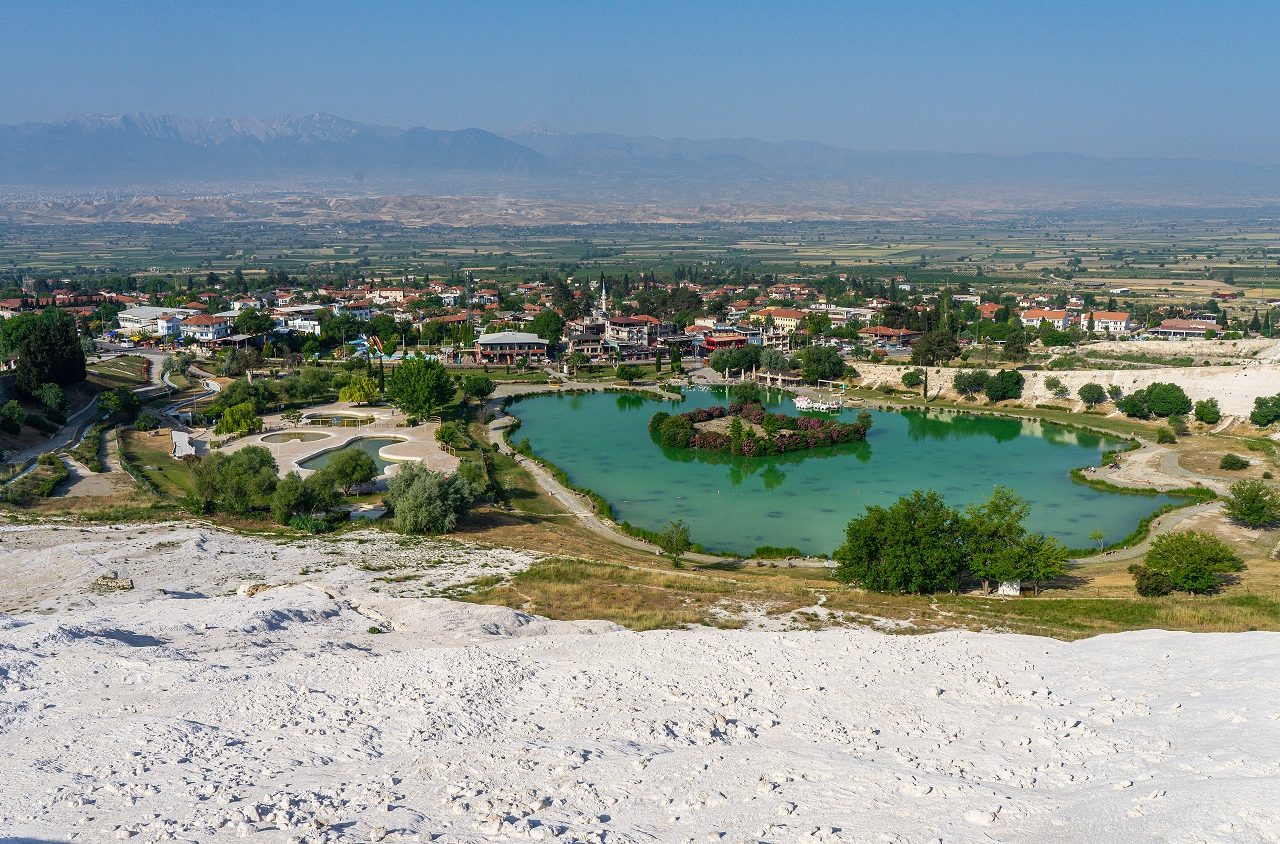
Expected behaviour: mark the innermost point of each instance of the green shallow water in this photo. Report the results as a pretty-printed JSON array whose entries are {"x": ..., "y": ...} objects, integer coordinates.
[
  {"x": 369, "y": 445},
  {"x": 602, "y": 442}
]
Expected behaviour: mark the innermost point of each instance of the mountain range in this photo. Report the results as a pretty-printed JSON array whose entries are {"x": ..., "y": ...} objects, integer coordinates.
[{"x": 173, "y": 156}]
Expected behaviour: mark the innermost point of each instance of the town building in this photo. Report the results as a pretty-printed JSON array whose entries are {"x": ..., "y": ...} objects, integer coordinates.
[{"x": 510, "y": 347}]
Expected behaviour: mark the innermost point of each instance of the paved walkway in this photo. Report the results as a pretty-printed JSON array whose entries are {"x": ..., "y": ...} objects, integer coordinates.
[{"x": 417, "y": 444}]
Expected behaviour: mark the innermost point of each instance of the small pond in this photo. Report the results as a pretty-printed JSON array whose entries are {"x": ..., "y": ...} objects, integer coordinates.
[
  {"x": 342, "y": 420},
  {"x": 369, "y": 445},
  {"x": 295, "y": 436}
]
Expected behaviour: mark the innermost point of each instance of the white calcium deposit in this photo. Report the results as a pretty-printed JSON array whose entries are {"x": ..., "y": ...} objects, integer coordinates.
[{"x": 198, "y": 712}]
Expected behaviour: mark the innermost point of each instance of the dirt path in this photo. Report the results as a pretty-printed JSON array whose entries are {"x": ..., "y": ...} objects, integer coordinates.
[
  {"x": 1165, "y": 524},
  {"x": 574, "y": 504}
]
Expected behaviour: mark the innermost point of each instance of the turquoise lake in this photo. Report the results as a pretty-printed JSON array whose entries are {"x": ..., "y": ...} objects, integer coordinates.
[{"x": 804, "y": 500}]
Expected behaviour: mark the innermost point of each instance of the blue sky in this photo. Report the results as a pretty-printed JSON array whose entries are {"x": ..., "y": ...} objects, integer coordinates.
[{"x": 1139, "y": 78}]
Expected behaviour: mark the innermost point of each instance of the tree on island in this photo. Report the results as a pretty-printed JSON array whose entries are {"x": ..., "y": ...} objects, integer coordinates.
[
  {"x": 420, "y": 387},
  {"x": 674, "y": 542}
]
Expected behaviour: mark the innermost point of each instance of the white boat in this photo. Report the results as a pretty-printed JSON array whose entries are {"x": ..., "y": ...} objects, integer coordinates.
[{"x": 806, "y": 403}]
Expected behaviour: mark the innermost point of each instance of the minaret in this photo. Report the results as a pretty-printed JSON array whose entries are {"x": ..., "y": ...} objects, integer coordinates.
[{"x": 604, "y": 297}]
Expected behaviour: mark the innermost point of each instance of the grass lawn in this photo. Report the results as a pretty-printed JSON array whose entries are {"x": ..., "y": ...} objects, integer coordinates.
[
  {"x": 124, "y": 371},
  {"x": 171, "y": 477}
]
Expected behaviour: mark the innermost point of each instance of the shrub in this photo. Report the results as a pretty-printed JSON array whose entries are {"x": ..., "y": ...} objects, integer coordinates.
[
  {"x": 147, "y": 422},
  {"x": 1054, "y": 385},
  {"x": 1186, "y": 561},
  {"x": 913, "y": 378},
  {"x": 1115, "y": 393},
  {"x": 1165, "y": 436},
  {"x": 429, "y": 502},
  {"x": 971, "y": 383},
  {"x": 11, "y": 417},
  {"x": 1149, "y": 583},
  {"x": 1091, "y": 394},
  {"x": 1207, "y": 411},
  {"x": 1158, "y": 399},
  {"x": 1253, "y": 504},
  {"x": 1233, "y": 462},
  {"x": 41, "y": 424},
  {"x": 1266, "y": 409},
  {"x": 1005, "y": 384}
]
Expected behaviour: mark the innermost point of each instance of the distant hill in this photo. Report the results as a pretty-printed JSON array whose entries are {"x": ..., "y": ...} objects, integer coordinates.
[
  {"x": 650, "y": 157},
  {"x": 141, "y": 150},
  {"x": 177, "y": 159}
]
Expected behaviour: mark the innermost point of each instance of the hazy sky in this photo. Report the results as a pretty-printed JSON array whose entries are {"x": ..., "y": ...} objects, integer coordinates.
[{"x": 1110, "y": 78}]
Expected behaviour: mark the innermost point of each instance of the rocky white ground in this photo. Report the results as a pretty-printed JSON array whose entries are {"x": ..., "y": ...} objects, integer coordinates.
[{"x": 203, "y": 713}]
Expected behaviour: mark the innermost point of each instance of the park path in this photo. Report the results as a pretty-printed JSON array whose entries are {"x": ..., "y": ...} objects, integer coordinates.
[
  {"x": 1162, "y": 525},
  {"x": 576, "y": 505}
]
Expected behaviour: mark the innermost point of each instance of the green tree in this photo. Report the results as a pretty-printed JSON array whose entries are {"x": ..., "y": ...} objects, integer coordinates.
[
  {"x": 1186, "y": 561},
  {"x": 420, "y": 387},
  {"x": 48, "y": 350},
  {"x": 236, "y": 483},
  {"x": 935, "y": 347},
  {"x": 993, "y": 529},
  {"x": 971, "y": 382},
  {"x": 774, "y": 360},
  {"x": 548, "y": 325},
  {"x": 1252, "y": 503},
  {"x": 1015, "y": 348},
  {"x": 745, "y": 393},
  {"x": 1266, "y": 409},
  {"x": 1097, "y": 536},
  {"x": 119, "y": 403},
  {"x": 577, "y": 361},
  {"x": 1092, "y": 394},
  {"x": 238, "y": 419},
  {"x": 253, "y": 321},
  {"x": 11, "y": 415},
  {"x": 628, "y": 373},
  {"x": 289, "y": 498},
  {"x": 478, "y": 387},
  {"x": 913, "y": 378},
  {"x": 916, "y": 545},
  {"x": 1233, "y": 462},
  {"x": 349, "y": 468},
  {"x": 1004, "y": 385},
  {"x": 429, "y": 502},
  {"x": 1208, "y": 412},
  {"x": 674, "y": 542},
  {"x": 1164, "y": 399},
  {"x": 819, "y": 363},
  {"x": 53, "y": 399},
  {"x": 361, "y": 389},
  {"x": 1055, "y": 386}
]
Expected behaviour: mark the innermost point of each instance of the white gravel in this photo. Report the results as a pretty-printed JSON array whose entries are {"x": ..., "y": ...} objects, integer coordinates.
[{"x": 158, "y": 716}]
